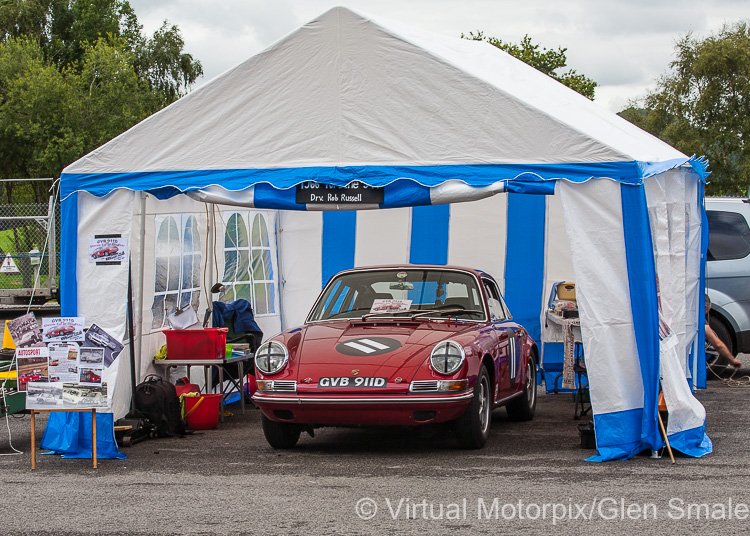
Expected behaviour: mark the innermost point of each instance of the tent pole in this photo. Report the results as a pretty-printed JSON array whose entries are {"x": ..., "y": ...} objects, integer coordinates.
[
  {"x": 139, "y": 284},
  {"x": 131, "y": 340},
  {"x": 211, "y": 251}
]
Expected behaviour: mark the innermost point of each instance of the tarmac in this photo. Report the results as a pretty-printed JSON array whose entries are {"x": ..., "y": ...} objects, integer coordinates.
[{"x": 530, "y": 478}]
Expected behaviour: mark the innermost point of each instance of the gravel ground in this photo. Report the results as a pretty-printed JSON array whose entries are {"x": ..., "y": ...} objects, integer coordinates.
[{"x": 530, "y": 478}]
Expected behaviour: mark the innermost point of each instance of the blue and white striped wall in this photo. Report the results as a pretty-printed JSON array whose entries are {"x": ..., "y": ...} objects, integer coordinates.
[{"x": 504, "y": 235}]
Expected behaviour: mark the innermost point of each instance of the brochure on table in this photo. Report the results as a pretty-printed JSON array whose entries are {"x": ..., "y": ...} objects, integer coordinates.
[{"x": 61, "y": 365}]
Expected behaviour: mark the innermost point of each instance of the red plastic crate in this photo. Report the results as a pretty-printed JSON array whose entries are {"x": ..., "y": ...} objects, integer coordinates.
[{"x": 209, "y": 343}]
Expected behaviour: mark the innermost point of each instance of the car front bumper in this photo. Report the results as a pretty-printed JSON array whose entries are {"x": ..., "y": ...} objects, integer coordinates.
[{"x": 368, "y": 410}]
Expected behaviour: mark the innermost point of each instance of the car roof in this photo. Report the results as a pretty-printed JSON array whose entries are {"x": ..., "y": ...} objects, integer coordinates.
[
  {"x": 417, "y": 267},
  {"x": 723, "y": 200}
]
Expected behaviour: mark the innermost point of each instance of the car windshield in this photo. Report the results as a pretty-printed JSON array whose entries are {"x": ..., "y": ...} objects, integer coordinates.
[{"x": 403, "y": 293}]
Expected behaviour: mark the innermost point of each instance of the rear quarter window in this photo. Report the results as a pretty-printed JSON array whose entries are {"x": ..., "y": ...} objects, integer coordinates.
[{"x": 728, "y": 235}]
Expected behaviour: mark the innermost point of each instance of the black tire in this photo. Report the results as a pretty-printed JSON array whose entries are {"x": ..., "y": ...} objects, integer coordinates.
[
  {"x": 722, "y": 331},
  {"x": 524, "y": 407},
  {"x": 280, "y": 435},
  {"x": 473, "y": 427}
]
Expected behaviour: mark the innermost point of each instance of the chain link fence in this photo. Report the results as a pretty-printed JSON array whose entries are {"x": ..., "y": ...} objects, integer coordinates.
[{"x": 29, "y": 249}]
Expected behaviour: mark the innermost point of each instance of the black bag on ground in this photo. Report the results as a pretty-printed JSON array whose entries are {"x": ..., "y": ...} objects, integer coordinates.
[{"x": 157, "y": 400}]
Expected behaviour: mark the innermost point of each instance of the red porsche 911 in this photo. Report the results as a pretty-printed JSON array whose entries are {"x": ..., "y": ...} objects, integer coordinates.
[{"x": 451, "y": 353}]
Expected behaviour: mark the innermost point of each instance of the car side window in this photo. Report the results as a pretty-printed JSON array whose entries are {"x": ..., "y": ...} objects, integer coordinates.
[
  {"x": 728, "y": 236},
  {"x": 497, "y": 311}
]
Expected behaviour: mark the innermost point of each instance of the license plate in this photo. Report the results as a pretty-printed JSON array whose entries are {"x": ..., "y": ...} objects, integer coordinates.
[{"x": 358, "y": 381}]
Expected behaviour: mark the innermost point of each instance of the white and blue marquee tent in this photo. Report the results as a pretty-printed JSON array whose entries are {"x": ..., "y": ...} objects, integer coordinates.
[{"x": 352, "y": 142}]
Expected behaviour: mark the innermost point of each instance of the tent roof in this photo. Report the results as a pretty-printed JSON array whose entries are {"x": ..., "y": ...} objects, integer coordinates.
[{"x": 345, "y": 97}]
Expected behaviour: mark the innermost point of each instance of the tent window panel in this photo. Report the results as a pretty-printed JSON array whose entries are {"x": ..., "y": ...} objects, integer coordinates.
[
  {"x": 178, "y": 256},
  {"x": 236, "y": 233},
  {"x": 170, "y": 304},
  {"x": 241, "y": 292},
  {"x": 243, "y": 266},
  {"x": 260, "y": 232},
  {"x": 249, "y": 261},
  {"x": 160, "y": 284},
  {"x": 196, "y": 283},
  {"x": 261, "y": 299},
  {"x": 261, "y": 259},
  {"x": 230, "y": 266},
  {"x": 157, "y": 310},
  {"x": 173, "y": 279}
]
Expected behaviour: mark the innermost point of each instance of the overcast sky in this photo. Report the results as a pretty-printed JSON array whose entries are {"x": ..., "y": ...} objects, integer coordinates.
[{"x": 623, "y": 45}]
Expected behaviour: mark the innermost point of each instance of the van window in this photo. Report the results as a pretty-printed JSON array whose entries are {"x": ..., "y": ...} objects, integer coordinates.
[{"x": 728, "y": 236}]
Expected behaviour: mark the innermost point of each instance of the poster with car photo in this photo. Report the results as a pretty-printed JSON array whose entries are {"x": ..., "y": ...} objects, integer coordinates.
[
  {"x": 42, "y": 395},
  {"x": 91, "y": 357},
  {"x": 63, "y": 329},
  {"x": 63, "y": 362},
  {"x": 96, "y": 337},
  {"x": 84, "y": 396},
  {"x": 89, "y": 375},
  {"x": 106, "y": 250},
  {"x": 25, "y": 331},
  {"x": 31, "y": 366}
]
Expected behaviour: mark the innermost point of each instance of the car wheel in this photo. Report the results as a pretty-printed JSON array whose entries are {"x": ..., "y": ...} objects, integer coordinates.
[
  {"x": 473, "y": 427},
  {"x": 524, "y": 407},
  {"x": 280, "y": 435},
  {"x": 722, "y": 331}
]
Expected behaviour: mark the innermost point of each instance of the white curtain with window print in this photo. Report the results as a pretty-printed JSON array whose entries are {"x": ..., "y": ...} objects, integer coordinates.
[
  {"x": 177, "y": 261},
  {"x": 250, "y": 259}
]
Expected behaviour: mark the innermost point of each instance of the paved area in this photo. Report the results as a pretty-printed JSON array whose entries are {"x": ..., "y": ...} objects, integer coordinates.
[{"x": 531, "y": 479}]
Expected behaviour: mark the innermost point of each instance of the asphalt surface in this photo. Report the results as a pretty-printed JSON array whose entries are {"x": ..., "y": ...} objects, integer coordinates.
[{"x": 530, "y": 479}]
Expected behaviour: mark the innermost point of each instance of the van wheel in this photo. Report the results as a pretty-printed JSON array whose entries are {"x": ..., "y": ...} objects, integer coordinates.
[{"x": 721, "y": 330}]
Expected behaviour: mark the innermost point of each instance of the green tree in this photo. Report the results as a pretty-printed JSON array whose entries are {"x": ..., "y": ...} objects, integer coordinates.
[
  {"x": 546, "y": 61},
  {"x": 702, "y": 105},
  {"x": 73, "y": 75}
]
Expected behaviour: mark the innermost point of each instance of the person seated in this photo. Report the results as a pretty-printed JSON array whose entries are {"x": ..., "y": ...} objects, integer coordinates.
[{"x": 725, "y": 356}]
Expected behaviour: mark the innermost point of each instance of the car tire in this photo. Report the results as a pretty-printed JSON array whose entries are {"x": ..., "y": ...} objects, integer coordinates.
[
  {"x": 722, "y": 331},
  {"x": 280, "y": 435},
  {"x": 524, "y": 407},
  {"x": 473, "y": 427}
]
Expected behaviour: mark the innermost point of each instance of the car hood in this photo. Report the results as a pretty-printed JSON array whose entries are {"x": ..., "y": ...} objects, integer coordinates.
[{"x": 373, "y": 349}]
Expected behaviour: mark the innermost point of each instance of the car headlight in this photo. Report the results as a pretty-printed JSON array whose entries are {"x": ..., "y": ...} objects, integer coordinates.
[
  {"x": 271, "y": 357},
  {"x": 447, "y": 357}
]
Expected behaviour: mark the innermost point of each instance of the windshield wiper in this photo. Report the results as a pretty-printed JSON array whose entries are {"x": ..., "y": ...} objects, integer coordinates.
[
  {"x": 446, "y": 310},
  {"x": 381, "y": 313}
]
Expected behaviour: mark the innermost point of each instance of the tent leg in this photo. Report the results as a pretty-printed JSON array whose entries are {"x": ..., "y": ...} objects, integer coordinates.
[{"x": 666, "y": 439}]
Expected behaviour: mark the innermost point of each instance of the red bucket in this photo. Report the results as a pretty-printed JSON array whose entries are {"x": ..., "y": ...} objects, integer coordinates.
[{"x": 202, "y": 412}]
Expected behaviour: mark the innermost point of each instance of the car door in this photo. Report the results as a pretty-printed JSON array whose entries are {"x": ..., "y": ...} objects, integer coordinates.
[{"x": 508, "y": 349}]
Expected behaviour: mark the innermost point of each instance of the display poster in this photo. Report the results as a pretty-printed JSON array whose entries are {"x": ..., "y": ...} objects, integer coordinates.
[
  {"x": 96, "y": 337},
  {"x": 390, "y": 305},
  {"x": 63, "y": 362},
  {"x": 24, "y": 331},
  {"x": 62, "y": 329},
  {"x": 84, "y": 396},
  {"x": 108, "y": 250},
  {"x": 32, "y": 366},
  {"x": 90, "y": 366},
  {"x": 44, "y": 395}
]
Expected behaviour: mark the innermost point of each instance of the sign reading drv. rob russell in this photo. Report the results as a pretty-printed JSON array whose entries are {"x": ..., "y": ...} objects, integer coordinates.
[{"x": 357, "y": 193}]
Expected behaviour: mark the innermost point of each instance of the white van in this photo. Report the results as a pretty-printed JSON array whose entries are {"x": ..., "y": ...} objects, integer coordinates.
[{"x": 728, "y": 270}]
